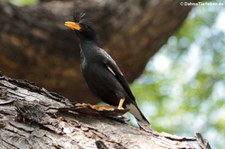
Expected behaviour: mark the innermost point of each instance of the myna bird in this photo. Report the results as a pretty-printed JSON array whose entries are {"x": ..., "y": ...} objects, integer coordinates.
[{"x": 100, "y": 71}]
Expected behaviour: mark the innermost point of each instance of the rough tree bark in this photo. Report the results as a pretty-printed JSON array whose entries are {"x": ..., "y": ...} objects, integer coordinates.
[
  {"x": 35, "y": 45},
  {"x": 32, "y": 117}
]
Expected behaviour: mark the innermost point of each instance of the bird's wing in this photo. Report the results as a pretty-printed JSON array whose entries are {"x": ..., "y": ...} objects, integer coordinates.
[{"x": 115, "y": 70}]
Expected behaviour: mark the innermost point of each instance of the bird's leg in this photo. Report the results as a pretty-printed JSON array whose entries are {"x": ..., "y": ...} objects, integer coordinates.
[{"x": 120, "y": 106}]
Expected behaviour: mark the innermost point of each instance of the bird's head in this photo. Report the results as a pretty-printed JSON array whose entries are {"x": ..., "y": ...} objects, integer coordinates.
[{"x": 82, "y": 27}]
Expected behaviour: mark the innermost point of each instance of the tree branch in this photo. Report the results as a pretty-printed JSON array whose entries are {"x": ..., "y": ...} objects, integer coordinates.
[{"x": 32, "y": 117}]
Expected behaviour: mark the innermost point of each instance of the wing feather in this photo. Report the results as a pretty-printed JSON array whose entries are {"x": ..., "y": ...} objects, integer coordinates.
[{"x": 115, "y": 70}]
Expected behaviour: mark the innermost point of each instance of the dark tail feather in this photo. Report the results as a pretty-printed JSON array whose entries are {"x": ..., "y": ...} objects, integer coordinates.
[{"x": 142, "y": 121}]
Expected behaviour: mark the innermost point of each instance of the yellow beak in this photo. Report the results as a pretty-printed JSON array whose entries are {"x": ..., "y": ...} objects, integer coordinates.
[{"x": 73, "y": 25}]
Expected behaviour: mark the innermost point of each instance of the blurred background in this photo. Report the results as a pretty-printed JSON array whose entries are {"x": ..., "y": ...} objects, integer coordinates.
[
  {"x": 182, "y": 88},
  {"x": 179, "y": 85}
]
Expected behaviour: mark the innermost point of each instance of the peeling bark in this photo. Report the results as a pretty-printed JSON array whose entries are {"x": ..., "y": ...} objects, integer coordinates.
[{"x": 32, "y": 117}]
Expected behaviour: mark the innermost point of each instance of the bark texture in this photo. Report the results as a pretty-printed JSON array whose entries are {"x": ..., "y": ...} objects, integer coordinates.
[
  {"x": 32, "y": 117},
  {"x": 35, "y": 45}
]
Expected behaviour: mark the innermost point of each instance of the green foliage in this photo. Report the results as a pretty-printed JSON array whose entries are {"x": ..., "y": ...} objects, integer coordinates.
[
  {"x": 184, "y": 84},
  {"x": 23, "y": 2}
]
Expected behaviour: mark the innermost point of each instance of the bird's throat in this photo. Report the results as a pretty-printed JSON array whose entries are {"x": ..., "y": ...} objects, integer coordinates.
[{"x": 89, "y": 48}]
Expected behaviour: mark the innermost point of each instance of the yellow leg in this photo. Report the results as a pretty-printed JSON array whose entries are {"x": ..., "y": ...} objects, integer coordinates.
[{"x": 120, "y": 106}]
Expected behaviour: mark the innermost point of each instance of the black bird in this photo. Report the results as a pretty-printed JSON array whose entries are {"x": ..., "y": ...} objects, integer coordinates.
[{"x": 102, "y": 75}]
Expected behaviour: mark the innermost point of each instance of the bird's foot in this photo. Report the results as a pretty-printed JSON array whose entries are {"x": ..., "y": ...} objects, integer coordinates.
[
  {"x": 98, "y": 107},
  {"x": 103, "y": 108},
  {"x": 120, "y": 106}
]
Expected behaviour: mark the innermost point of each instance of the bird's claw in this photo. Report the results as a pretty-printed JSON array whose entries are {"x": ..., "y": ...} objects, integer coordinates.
[{"x": 97, "y": 107}]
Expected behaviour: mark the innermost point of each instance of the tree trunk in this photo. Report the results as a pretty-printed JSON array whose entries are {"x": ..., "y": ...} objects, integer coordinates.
[
  {"x": 32, "y": 117},
  {"x": 35, "y": 45}
]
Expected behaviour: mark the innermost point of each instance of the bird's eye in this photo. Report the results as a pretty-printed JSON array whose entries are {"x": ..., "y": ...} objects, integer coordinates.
[{"x": 85, "y": 26}]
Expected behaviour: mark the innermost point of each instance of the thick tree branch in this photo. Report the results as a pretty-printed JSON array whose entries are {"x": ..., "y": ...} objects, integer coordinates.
[{"x": 32, "y": 117}]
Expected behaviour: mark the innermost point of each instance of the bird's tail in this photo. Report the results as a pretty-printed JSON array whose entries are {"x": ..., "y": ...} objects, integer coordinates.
[{"x": 136, "y": 112}]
